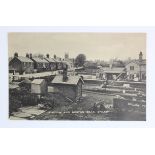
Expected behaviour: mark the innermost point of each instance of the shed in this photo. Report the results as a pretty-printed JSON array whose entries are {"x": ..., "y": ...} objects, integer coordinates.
[
  {"x": 39, "y": 86},
  {"x": 25, "y": 84},
  {"x": 114, "y": 73},
  {"x": 71, "y": 87}
]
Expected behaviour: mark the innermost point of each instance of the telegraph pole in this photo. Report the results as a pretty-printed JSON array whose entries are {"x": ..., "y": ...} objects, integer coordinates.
[{"x": 140, "y": 62}]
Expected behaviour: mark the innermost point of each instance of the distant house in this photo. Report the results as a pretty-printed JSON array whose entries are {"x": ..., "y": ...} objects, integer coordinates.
[
  {"x": 52, "y": 63},
  {"x": 90, "y": 64},
  {"x": 136, "y": 69},
  {"x": 39, "y": 64},
  {"x": 68, "y": 86},
  {"x": 113, "y": 70},
  {"x": 113, "y": 73},
  {"x": 59, "y": 64},
  {"x": 90, "y": 67},
  {"x": 21, "y": 64},
  {"x": 39, "y": 86}
]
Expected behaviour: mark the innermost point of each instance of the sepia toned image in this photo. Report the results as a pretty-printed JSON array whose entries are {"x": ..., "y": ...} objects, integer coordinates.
[{"x": 77, "y": 76}]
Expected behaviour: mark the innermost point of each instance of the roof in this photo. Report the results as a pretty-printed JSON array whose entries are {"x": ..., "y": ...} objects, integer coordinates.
[
  {"x": 50, "y": 59},
  {"x": 105, "y": 65},
  {"x": 37, "y": 81},
  {"x": 72, "y": 80},
  {"x": 26, "y": 81},
  {"x": 37, "y": 75},
  {"x": 24, "y": 59},
  {"x": 10, "y": 58},
  {"x": 56, "y": 60},
  {"x": 40, "y": 60},
  {"x": 12, "y": 86},
  {"x": 143, "y": 62}
]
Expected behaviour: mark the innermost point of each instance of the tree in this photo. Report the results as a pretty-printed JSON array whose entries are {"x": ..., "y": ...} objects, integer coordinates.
[
  {"x": 91, "y": 65},
  {"x": 80, "y": 60}
]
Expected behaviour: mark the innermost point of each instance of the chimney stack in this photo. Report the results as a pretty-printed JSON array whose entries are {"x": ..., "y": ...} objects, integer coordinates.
[
  {"x": 55, "y": 56},
  {"x": 65, "y": 78},
  {"x": 16, "y": 54},
  {"x": 27, "y": 55},
  {"x": 30, "y": 55},
  {"x": 66, "y": 56},
  {"x": 47, "y": 55},
  {"x": 140, "y": 56}
]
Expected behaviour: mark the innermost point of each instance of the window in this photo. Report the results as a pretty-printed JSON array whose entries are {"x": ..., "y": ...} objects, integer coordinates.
[{"x": 131, "y": 67}]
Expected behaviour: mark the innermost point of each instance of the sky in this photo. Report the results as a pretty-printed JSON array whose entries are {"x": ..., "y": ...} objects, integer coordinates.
[{"x": 102, "y": 46}]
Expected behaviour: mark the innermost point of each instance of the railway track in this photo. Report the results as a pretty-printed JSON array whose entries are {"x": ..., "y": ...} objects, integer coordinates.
[
  {"x": 110, "y": 94},
  {"x": 99, "y": 93}
]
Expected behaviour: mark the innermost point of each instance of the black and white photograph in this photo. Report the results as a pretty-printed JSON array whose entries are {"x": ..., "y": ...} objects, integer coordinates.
[
  {"x": 77, "y": 77},
  {"x": 96, "y": 76}
]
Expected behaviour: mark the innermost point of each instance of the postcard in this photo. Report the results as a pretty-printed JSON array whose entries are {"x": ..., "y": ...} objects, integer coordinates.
[{"x": 83, "y": 76}]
